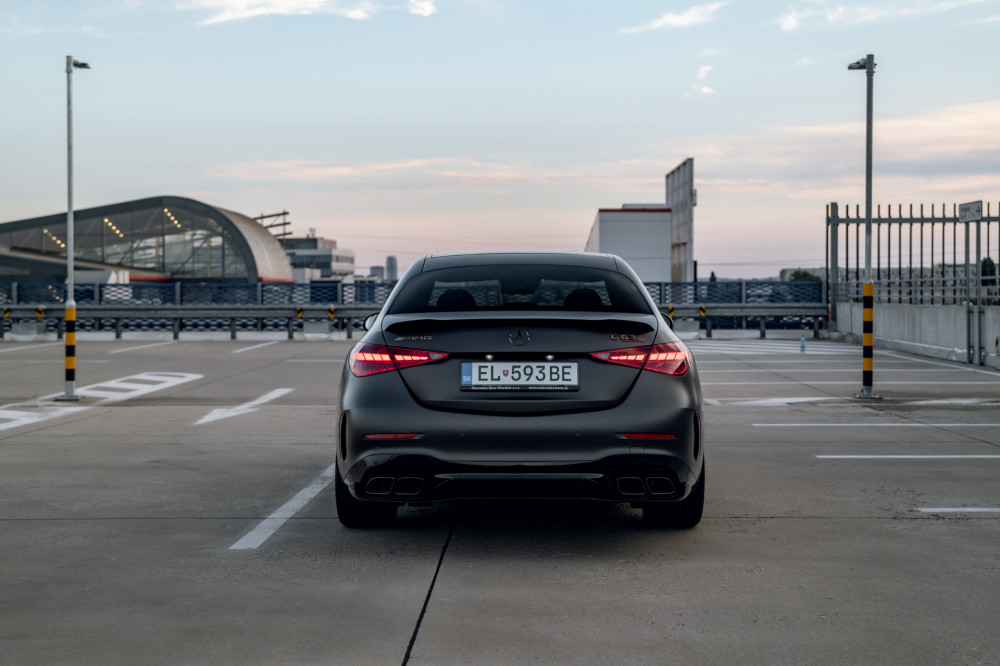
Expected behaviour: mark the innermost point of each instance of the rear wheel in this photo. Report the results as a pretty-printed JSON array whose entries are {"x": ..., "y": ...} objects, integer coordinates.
[
  {"x": 682, "y": 515},
  {"x": 354, "y": 512}
]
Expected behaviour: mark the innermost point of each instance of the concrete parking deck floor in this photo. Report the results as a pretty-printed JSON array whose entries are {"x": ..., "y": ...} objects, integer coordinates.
[{"x": 836, "y": 531}]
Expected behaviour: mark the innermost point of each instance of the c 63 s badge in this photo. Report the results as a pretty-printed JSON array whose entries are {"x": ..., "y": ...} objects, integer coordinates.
[
  {"x": 412, "y": 338},
  {"x": 625, "y": 337}
]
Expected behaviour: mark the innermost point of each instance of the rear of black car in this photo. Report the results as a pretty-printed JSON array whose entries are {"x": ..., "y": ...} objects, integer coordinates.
[{"x": 537, "y": 375}]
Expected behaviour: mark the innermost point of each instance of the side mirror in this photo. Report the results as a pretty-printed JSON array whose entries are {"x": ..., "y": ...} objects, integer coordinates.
[
  {"x": 667, "y": 318},
  {"x": 370, "y": 321}
]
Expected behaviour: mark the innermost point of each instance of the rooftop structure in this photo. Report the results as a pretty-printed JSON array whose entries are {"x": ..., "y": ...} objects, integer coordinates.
[{"x": 162, "y": 238}]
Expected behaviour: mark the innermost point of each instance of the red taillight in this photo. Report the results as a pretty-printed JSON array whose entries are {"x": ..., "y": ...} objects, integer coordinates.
[
  {"x": 633, "y": 357},
  {"x": 404, "y": 358},
  {"x": 669, "y": 358},
  {"x": 368, "y": 359}
]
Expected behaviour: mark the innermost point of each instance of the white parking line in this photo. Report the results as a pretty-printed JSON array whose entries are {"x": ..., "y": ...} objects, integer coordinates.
[
  {"x": 245, "y": 408},
  {"x": 820, "y": 370},
  {"x": 876, "y": 425},
  {"x": 809, "y": 383},
  {"x": 263, "y": 344},
  {"x": 155, "y": 344},
  {"x": 966, "y": 509},
  {"x": 267, "y": 527},
  {"x": 314, "y": 360},
  {"x": 943, "y": 365},
  {"x": 48, "y": 344},
  {"x": 911, "y": 457}
]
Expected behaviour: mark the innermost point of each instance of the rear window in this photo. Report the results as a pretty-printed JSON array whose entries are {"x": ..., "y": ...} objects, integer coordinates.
[{"x": 519, "y": 287}]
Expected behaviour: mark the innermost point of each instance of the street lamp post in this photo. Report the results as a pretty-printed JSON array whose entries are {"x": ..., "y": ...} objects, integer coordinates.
[
  {"x": 868, "y": 319},
  {"x": 70, "y": 316}
]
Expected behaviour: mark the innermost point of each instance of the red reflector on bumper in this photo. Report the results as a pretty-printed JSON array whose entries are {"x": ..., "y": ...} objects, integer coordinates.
[
  {"x": 391, "y": 435},
  {"x": 648, "y": 435}
]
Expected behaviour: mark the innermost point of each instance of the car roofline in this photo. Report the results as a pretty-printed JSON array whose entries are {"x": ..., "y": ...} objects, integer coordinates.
[{"x": 566, "y": 258}]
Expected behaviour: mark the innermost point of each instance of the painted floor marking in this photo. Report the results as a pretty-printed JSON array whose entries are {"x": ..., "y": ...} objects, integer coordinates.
[
  {"x": 877, "y": 383},
  {"x": 115, "y": 390},
  {"x": 911, "y": 457},
  {"x": 154, "y": 344},
  {"x": 267, "y": 527},
  {"x": 836, "y": 401},
  {"x": 316, "y": 360},
  {"x": 14, "y": 418},
  {"x": 818, "y": 370},
  {"x": 60, "y": 361},
  {"x": 954, "y": 366},
  {"x": 876, "y": 425},
  {"x": 962, "y": 509},
  {"x": 48, "y": 344},
  {"x": 263, "y": 344},
  {"x": 245, "y": 408},
  {"x": 757, "y": 347},
  {"x": 133, "y": 386}
]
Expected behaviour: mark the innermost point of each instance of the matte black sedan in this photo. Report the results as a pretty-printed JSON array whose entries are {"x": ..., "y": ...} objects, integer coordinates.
[{"x": 520, "y": 375}]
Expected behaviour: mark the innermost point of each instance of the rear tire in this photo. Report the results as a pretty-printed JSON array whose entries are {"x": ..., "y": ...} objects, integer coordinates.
[
  {"x": 354, "y": 512},
  {"x": 678, "y": 515}
]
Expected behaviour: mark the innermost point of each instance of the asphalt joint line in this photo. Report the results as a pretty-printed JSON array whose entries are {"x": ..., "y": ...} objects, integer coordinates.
[{"x": 430, "y": 590}]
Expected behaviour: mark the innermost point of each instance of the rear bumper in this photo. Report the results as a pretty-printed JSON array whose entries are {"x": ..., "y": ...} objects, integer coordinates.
[
  {"x": 412, "y": 478},
  {"x": 462, "y": 455}
]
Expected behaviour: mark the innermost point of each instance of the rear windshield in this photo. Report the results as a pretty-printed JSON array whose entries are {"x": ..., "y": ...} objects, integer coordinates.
[{"x": 517, "y": 287}]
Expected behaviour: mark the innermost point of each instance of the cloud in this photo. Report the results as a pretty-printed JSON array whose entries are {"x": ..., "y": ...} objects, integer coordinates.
[
  {"x": 703, "y": 72},
  {"x": 694, "y": 16},
  {"x": 948, "y": 153},
  {"x": 836, "y": 15},
  {"x": 237, "y": 10},
  {"x": 422, "y": 7},
  {"x": 447, "y": 174}
]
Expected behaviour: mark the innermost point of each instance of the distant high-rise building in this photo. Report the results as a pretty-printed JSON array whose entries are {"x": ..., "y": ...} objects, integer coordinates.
[
  {"x": 378, "y": 272},
  {"x": 391, "y": 269},
  {"x": 317, "y": 258}
]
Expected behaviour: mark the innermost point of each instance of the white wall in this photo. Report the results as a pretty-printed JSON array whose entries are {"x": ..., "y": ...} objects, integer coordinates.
[
  {"x": 639, "y": 236},
  {"x": 937, "y": 331}
]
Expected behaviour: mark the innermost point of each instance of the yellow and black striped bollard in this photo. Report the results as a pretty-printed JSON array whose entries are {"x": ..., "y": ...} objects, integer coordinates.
[
  {"x": 868, "y": 339},
  {"x": 70, "y": 349}
]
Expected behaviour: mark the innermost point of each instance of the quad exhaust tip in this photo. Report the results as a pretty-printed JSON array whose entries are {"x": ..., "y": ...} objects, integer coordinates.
[
  {"x": 634, "y": 486},
  {"x": 405, "y": 486}
]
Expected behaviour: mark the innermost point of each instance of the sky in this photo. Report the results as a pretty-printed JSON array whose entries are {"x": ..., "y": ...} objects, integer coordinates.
[{"x": 404, "y": 127}]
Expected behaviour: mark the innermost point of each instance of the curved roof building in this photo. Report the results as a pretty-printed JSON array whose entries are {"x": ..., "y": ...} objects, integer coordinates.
[{"x": 160, "y": 238}]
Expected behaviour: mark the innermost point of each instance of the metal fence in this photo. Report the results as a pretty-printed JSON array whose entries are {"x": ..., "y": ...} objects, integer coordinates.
[
  {"x": 925, "y": 291},
  {"x": 159, "y": 297},
  {"x": 919, "y": 257}
]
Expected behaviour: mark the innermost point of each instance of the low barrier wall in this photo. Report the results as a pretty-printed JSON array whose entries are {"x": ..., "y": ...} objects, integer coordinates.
[{"x": 937, "y": 331}]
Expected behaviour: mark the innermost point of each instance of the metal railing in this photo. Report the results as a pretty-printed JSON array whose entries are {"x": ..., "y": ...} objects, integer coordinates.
[
  {"x": 183, "y": 306},
  {"x": 925, "y": 291}
]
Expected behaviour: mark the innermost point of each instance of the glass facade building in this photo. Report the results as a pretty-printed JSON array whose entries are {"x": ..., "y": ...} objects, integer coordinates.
[{"x": 161, "y": 238}]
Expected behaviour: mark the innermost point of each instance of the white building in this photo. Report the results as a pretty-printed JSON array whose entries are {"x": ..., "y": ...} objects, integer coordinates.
[
  {"x": 638, "y": 233},
  {"x": 657, "y": 240}
]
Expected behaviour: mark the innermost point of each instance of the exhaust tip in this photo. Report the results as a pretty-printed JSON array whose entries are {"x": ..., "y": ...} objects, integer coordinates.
[
  {"x": 409, "y": 485},
  {"x": 379, "y": 485},
  {"x": 631, "y": 485},
  {"x": 660, "y": 485}
]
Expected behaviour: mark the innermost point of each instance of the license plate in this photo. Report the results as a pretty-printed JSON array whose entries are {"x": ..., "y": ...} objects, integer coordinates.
[{"x": 499, "y": 376}]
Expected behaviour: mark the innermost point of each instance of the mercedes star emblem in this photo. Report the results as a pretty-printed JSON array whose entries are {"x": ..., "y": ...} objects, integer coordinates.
[{"x": 519, "y": 337}]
